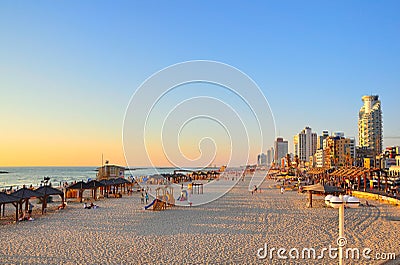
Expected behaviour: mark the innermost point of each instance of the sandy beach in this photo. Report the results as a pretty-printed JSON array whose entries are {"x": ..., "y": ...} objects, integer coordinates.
[{"x": 229, "y": 230}]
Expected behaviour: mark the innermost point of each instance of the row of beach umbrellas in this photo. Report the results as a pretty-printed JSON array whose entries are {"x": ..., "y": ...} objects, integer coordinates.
[
  {"x": 93, "y": 184},
  {"x": 17, "y": 198}
]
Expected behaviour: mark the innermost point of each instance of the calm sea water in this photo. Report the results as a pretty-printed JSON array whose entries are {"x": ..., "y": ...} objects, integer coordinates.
[{"x": 19, "y": 176}]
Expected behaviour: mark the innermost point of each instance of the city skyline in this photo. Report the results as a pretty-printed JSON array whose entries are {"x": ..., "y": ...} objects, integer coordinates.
[{"x": 70, "y": 68}]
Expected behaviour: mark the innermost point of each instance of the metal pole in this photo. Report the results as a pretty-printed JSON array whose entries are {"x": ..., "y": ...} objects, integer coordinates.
[{"x": 341, "y": 232}]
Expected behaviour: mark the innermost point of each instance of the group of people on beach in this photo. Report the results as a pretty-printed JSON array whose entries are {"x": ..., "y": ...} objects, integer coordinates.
[
  {"x": 144, "y": 197},
  {"x": 91, "y": 206}
]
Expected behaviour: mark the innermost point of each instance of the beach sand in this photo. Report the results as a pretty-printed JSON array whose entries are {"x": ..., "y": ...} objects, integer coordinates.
[{"x": 228, "y": 231}]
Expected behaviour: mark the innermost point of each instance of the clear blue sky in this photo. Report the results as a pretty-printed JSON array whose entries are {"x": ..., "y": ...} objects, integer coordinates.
[{"x": 69, "y": 67}]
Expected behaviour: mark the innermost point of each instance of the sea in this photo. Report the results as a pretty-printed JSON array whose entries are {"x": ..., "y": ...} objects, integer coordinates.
[
  {"x": 16, "y": 177},
  {"x": 19, "y": 176}
]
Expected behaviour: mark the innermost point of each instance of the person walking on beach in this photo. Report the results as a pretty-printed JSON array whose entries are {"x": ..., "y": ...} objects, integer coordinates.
[
  {"x": 282, "y": 190},
  {"x": 30, "y": 208},
  {"x": 142, "y": 198},
  {"x": 147, "y": 197}
]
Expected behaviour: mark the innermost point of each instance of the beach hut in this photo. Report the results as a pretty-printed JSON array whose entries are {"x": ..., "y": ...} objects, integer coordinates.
[
  {"x": 110, "y": 171},
  {"x": 320, "y": 189},
  {"x": 6, "y": 198},
  {"x": 23, "y": 196},
  {"x": 46, "y": 191}
]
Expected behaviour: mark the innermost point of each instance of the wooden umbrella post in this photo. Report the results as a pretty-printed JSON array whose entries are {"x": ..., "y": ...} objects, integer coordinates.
[
  {"x": 44, "y": 203},
  {"x": 365, "y": 181},
  {"x": 16, "y": 211}
]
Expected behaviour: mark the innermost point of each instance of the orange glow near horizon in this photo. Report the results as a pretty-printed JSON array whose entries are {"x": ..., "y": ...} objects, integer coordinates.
[{"x": 58, "y": 150}]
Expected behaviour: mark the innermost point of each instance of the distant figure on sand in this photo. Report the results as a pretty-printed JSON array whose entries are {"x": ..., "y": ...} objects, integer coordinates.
[
  {"x": 142, "y": 198},
  {"x": 30, "y": 208},
  {"x": 147, "y": 197},
  {"x": 282, "y": 190}
]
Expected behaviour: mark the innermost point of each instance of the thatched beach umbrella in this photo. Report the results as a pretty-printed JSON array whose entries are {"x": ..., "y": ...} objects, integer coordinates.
[
  {"x": 320, "y": 189},
  {"x": 6, "y": 198},
  {"x": 24, "y": 195},
  {"x": 80, "y": 186},
  {"x": 46, "y": 191},
  {"x": 115, "y": 182},
  {"x": 120, "y": 181},
  {"x": 94, "y": 185}
]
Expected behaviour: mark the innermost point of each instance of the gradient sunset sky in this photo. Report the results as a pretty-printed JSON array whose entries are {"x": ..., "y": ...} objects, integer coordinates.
[{"x": 69, "y": 68}]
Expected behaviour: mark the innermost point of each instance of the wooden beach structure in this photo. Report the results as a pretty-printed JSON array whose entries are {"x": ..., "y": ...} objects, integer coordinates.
[
  {"x": 114, "y": 186},
  {"x": 204, "y": 175},
  {"x": 365, "y": 182},
  {"x": 320, "y": 189},
  {"x": 8, "y": 199},
  {"x": 23, "y": 195},
  {"x": 346, "y": 175},
  {"x": 164, "y": 198},
  {"x": 75, "y": 190},
  {"x": 94, "y": 185},
  {"x": 113, "y": 179},
  {"x": 110, "y": 172},
  {"x": 47, "y": 191}
]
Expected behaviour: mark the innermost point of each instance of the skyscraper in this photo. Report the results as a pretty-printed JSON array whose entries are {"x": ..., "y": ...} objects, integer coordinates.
[
  {"x": 321, "y": 138},
  {"x": 305, "y": 144},
  {"x": 270, "y": 156},
  {"x": 281, "y": 149},
  {"x": 261, "y": 159},
  {"x": 370, "y": 124}
]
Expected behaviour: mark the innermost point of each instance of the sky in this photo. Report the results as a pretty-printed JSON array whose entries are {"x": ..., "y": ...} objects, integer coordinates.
[{"x": 68, "y": 69}]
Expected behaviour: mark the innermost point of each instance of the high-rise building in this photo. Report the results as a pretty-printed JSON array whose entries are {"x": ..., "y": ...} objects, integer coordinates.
[
  {"x": 321, "y": 139},
  {"x": 305, "y": 144},
  {"x": 270, "y": 156},
  {"x": 296, "y": 145},
  {"x": 370, "y": 124},
  {"x": 281, "y": 149},
  {"x": 261, "y": 159},
  {"x": 352, "y": 149}
]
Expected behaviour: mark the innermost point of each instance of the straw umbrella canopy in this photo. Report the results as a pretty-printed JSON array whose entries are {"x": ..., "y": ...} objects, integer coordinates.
[
  {"x": 321, "y": 189},
  {"x": 115, "y": 182},
  {"x": 119, "y": 181},
  {"x": 6, "y": 198},
  {"x": 94, "y": 185},
  {"x": 24, "y": 195},
  {"x": 46, "y": 191},
  {"x": 80, "y": 185}
]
